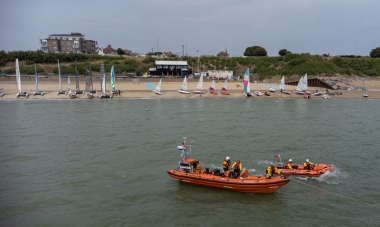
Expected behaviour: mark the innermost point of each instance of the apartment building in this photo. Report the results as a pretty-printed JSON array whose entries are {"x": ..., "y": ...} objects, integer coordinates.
[{"x": 69, "y": 43}]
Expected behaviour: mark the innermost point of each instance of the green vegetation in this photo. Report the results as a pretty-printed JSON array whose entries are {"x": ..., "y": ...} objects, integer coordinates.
[
  {"x": 288, "y": 64},
  {"x": 255, "y": 51}
]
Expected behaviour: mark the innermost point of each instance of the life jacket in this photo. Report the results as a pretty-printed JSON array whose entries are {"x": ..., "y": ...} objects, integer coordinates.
[{"x": 226, "y": 164}]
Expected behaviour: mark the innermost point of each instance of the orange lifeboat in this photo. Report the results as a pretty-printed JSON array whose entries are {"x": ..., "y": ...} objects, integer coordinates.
[
  {"x": 189, "y": 172},
  {"x": 298, "y": 170}
]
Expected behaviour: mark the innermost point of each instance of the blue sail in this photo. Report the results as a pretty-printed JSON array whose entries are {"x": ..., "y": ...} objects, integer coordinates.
[{"x": 113, "y": 79}]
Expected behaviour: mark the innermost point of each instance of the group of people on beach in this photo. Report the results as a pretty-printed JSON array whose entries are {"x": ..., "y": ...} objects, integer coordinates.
[{"x": 270, "y": 171}]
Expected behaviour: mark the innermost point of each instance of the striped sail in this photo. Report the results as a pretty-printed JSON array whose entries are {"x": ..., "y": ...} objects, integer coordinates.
[
  {"x": 113, "y": 79},
  {"x": 246, "y": 81},
  {"x": 18, "y": 76}
]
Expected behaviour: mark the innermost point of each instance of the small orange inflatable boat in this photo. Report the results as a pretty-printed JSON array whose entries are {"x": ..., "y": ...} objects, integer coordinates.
[
  {"x": 315, "y": 170},
  {"x": 189, "y": 172}
]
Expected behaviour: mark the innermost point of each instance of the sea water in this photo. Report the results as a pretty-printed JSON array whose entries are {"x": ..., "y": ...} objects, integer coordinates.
[{"x": 104, "y": 162}]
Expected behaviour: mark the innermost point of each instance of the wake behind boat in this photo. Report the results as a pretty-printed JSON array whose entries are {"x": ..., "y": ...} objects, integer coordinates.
[{"x": 189, "y": 171}]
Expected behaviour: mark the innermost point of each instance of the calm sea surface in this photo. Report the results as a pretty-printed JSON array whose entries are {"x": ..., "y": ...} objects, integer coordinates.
[{"x": 104, "y": 162}]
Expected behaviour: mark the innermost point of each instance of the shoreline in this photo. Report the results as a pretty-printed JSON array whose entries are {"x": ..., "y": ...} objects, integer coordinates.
[{"x": 143, "y": 90}]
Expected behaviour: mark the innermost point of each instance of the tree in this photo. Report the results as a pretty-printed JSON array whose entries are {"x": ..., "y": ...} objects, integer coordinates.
[
  {"x": 284, "y": 52},
  {"x": 120, "y": 51},
  {"x": 255, "y": 51},
  {"x": 375, "y": 53}
]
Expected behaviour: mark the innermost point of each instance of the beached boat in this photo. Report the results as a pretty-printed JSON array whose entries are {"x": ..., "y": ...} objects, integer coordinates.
[
  {"x": 1, "y": 92},
  {"x": 282, "y": 86},
  {"x": 18, "y": 79},
  {"x": 225, "y": 89},
  {"x": 72, "y": 95},
  {"x": 365, "y": 95},
  {"x": 247, "y": 91},
  {"x": 199, "y": 86},
  {"x": 267, "y": 93},
  {"x": 60, "y": 81},
  {"x": 212, "y": 88},
  {"x": 103, "y": 76},
  {"x": 298, "y": 170},
  {"x": 183, "y": 89},
  {"x": 113, "y": 91},
  {"x": 299, "y": 90},
  {"x": 188, "y": 173},
  {"x": 77, "y": 90},
  {"x": 325, "y": 96},
  {"x": 270, "y": 87},
  {"x": 157, "y": 90},
  {"x": 258, "y": 93},
  {"x": 89, "y": 84},
  {"x": 37, "y": 92}
]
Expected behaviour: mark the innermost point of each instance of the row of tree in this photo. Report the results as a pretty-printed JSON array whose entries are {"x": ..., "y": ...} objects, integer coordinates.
[{"x": 259, "y": 51}]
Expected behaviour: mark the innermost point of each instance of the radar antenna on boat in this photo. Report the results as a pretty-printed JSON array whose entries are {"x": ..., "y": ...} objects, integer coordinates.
[{"x": 186, "y": 149}]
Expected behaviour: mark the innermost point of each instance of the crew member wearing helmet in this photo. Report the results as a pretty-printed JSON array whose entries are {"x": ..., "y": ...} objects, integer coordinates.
[
  {"x": 288, "y": 165},
  {"x": 272, "y": 169},
  {"x": 237, "y": 167},
  {"x": 308, "y": 165},
  {"x": 226, "y": 164}
]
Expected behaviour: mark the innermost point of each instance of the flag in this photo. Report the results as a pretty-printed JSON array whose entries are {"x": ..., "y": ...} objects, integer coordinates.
[{"x": 277, "y": 156}]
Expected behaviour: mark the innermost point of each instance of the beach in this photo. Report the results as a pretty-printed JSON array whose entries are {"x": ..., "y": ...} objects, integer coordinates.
[{"x": 142, "y": 88}]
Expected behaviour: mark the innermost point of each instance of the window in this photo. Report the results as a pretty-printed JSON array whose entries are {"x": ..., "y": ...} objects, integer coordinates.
[
  {"x": 69, "y": 49},
  {"x": 62, "y": 43},
  {"x": 178, "y": 67},
  {"x": 165, "y": 66},
  {"x": 68, "y": 43},
  {"x": 55, "y": 48},
  {"x": 159, "y": 66},
  {"x": 70, "y": 38},
  {"x": 63, "y": 49},
  {"x": 54, "y": 43},
  {"x": 63, "y": 38}
]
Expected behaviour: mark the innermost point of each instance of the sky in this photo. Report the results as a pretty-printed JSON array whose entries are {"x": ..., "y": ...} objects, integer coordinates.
[{"x": 335, "y": 27}]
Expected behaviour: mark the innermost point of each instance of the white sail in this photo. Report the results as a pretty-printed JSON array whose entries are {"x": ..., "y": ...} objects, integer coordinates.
[
  {"x": 304, "y": 87},
  {"x": 300, "y": 84},
  {"x": 184, "y": 84},
  {"x": 212, "y": 87},
  {"x": 36, "y": 75},
  {"x": 158, "y": 87},
  {"x": 59, "y": 77},
  {"x": 282, "y": 83},
  {"x": 18, "y": 76},
  {"x": 224, "y": 88},
  {"x": 200, "y": 83},
  {"x": 103, "y": 75},
  {"x": 68, "y": 83}
]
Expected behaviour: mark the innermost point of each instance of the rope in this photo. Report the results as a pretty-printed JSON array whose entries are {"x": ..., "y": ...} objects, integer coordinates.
[{"x": 359, "y": 201}]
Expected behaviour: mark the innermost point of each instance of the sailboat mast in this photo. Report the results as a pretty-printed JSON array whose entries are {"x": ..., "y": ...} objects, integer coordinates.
[
  {"x": 90, "y": 76},
  {"x": 36, "y": 73},
  {"x": 76, "y": 76},
  {"x": 59, "y": 77}
]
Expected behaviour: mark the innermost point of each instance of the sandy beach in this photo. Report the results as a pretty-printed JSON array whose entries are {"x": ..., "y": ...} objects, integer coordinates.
[{"x": 139, "y": 88}]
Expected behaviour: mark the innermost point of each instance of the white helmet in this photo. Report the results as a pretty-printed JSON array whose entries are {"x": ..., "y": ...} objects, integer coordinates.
[
  {"x": 227, "y": 158},
  {"x": 307, "y": 160},
  {"x": 290, "y": 160}
]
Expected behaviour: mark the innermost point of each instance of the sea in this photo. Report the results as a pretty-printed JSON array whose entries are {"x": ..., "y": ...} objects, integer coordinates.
[{"x": 104, "y": 162}]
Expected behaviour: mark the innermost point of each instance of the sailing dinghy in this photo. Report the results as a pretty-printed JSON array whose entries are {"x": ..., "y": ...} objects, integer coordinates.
[
  {"x": 72, "y": 95},
  {"x": 212, "y": 88},
  {"x": 60, "y": 81},
  {"x": 225, "y": 89},
  {"x": 316, "y": 170},
  {"x": 365, "y": 95},
  {"x": 199, "y": 86},
  {"x": 78, "y": 91},
  {"x": 1, "y": 92},
  {"x": 18, "y": 79},
  {"x": 103, "y": 76},
  {"x": 282, "y": 86},
  {"x": 183, "y": 89},
  {"x": 113, "y": 86},
  {"x": 37, "y": 92},
  {"x": 247, "y": 91},
  {"x": 157, "y": 90},
  {"x": 89, "y": 88}
]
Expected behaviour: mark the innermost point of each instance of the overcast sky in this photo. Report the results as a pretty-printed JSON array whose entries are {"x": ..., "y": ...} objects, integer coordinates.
[{"x": 337, "y": 27}]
